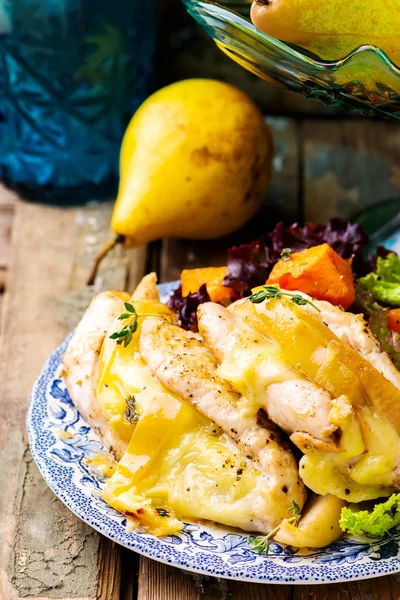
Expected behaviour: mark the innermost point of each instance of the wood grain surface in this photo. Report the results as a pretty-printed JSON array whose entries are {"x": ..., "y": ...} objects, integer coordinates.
[{"x": 321, "y": 169}]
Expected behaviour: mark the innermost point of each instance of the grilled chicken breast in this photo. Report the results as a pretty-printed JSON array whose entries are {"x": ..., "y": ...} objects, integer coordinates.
[
  {"x": 185, "y": 366},
  {"x": 290, "y": 400},
  {"x": 81, "y": 361},
  {"x": 364, "y": 464}
]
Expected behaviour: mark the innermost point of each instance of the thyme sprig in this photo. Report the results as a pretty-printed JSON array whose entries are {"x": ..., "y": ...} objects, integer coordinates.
[
  {"x": 131, "y": 413},
  {"x": 286, "y": 254},
  {"x": 261, "y": 543},
  {"x": 270, "y": 291},
  {"x": 295, "y": 508},
  {"x": 125, "y": 335}
]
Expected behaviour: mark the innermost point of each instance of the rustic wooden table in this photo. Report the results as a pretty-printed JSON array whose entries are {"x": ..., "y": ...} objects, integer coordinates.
[{"x": 322, "y": 168}]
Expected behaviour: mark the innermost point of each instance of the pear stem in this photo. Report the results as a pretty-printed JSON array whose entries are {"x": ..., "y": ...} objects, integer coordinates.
[{"x": 119, "y": 239}]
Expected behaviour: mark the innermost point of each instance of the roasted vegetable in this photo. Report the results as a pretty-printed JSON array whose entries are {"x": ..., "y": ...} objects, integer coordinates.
[
  {"x": 193, "y": 279},
  {"x": 319, "y": 272},
  {"x": 318, "y": 526},
  {"x": 393, "y": 320},
  {"x": 249, "y": 264}
]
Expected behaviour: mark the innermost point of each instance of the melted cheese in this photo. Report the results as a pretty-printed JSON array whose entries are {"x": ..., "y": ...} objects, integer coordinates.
[
  {"x": 176, "y": 458},
  {"x": 366, "y": 465},
  {"x": 123, "y": 373},
  {"x": 363, "y": 470},
  {"x": 251, "y": 365}
]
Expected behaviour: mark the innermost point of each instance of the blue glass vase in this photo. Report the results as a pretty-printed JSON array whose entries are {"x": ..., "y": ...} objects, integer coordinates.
[{"x": 72, "y": 72}]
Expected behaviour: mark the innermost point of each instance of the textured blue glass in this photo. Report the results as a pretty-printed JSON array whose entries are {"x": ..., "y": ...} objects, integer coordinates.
[{"x": 72, "y": 72}]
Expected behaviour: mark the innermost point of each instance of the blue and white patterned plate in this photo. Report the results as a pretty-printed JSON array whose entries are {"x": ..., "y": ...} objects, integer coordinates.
[{"x": 61, "y": 441}]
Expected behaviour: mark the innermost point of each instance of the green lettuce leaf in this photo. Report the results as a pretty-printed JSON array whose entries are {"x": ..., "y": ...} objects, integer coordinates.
[
  {"x": 374, "y": 293},
  {"x": 376, "y": 522},
  {"x": 386, "y": 292},
  {"x": 388, "y": 268},
  {"x": 384, "y": 284},
  {"x": 368, "y": 282}
]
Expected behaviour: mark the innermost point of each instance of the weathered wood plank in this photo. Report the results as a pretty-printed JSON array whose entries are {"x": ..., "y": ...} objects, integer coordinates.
[
  {"x": 283, "y": 201},
  {"x": 348, "y": 166},
  {"x": 6, "y": 218},
  {"x": 129, "y": 575},
  {"x": 46, "y": 551},
  {"x": 41, "y": 549},
  {"x": 109, "y": 565},
  {"x": 255, "y": 591},
  {"x": 7, "y": 196},
  {"x": 382, "y": 588},
  {"x": 162, "y": 582}
]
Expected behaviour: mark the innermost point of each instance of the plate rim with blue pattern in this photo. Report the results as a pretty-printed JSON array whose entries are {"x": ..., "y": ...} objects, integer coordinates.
[{"x": 208, "y": 550}]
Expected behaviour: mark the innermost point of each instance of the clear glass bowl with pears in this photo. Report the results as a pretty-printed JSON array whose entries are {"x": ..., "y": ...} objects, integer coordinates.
[{"x": 342, "y": 52}]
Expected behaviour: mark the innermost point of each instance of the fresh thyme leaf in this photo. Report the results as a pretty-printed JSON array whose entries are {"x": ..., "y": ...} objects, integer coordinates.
[
  {"x": 286, "y": 254},
  {"x": 119, "y": 334},
  {"x": 127, "y": 339},
  {"x": 273, "y": 292},
  {"x": 125, "y": 335},
  {"x": 130, "y": 308},
  {"x": 131, "y": 413},
  {"x": 296, "y": 512},
  {"x": 261, "y": 544},
  {"x": 124, "y": 316},
  {"x": 299, "y": 300},
  {"x": 258, "y": 297},
  {"x": 270, "y": 291}
]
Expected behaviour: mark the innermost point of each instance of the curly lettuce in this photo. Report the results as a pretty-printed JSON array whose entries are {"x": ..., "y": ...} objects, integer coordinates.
[
  {"x": 383, "y": 517},
  {"x": 374, "y": 294},
  {"x": 384, "y": 283}
]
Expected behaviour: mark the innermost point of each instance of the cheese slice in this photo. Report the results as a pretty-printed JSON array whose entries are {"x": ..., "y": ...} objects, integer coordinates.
[
  {"x": 178, "y": 464},
  {"x": 122, "y": 374},
  {"x": 178, "y": 460},
  {"x": 365, "y": 465}
]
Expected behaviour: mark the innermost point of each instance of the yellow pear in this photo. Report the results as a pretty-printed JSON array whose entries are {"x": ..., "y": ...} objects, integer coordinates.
[
  {"x": 333, "y": 28},
  {"x": 195, "y": 163}
]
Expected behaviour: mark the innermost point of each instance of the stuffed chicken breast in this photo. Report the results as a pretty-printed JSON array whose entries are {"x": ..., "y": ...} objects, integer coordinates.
[
  {"x": 364, "y": 464},
  {"x": 178, "y": 457}
]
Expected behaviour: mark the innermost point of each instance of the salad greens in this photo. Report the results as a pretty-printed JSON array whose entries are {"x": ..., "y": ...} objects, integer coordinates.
[
  {"x": 249, "y": 265},
  {"x": 376, "y": 522},
  {"x": 384, "y": 283},
  {"x": 390, "y": 340},
  {"x": 375, "y": 293}
]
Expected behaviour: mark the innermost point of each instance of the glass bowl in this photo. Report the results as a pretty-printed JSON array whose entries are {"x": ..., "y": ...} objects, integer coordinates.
[{"x": 366, "y": 80}]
